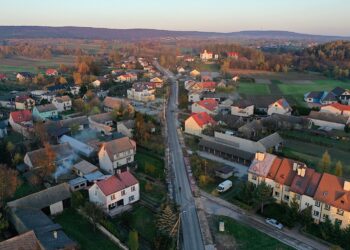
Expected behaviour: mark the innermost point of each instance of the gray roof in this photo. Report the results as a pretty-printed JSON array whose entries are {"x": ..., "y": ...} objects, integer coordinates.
[
  {"x": 338, "y": 91},
  {"x": 101, "y": 118},
  {"x": 224, "y": 148},
  {"x": 46, "y": 108},
  {"x": 43, "y": 198},
  {"x": 329, "y": 117},
  {"x": 3, "y": 124},
  {"x": 232, "y": 121},
  {"x": 80, "y": 120},
  {"x": 271, "y": 140},
  {"x": 85, "y": 167},
  {"x": 315, "y": 94}
]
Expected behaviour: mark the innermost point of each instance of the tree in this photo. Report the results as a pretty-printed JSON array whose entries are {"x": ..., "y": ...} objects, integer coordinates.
[
  {"x": 133, "y": 241},
  {"x": 325, "y": 161},
  {"x": 10, "y": 147},
  {"x": 3, "y": 223},
  {"x": 8, "y": 183},
  {"x": 149, "y": 168},
  {"x": 306, "y": 216},
  {"x": 41, "y": 133},
  {"x": 47, "y": 162},
  {"x": 77, "y": 78},
  {"x": 77, "y": 199},
  {"x": 18, "y": 158},
  {"x": 74, "y": 128},
  {"x": 262, "y": 195},
  {"x": 339, "y": 169},
  {"x": 94, "y": 212},
  {"x": 167, "y": 221}
]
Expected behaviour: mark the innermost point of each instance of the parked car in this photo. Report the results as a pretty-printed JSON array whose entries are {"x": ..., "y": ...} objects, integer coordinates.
[
  {"x": 224, "y": 186},
  {"x": 274, "y": 223}
]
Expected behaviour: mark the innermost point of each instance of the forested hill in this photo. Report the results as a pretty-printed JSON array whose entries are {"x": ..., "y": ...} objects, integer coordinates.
[
  {"x": 8, "y": 32},
  {"x": 331, "y": 58}
]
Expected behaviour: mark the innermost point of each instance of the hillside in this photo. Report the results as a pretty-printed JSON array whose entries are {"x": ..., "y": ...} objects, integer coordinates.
[{"x": 8, "y": 32}]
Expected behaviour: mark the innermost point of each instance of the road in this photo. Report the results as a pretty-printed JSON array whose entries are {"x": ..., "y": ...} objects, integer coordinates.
[
  {"x": 191, "y": 232},
  {"x": 217, "y": 206}
]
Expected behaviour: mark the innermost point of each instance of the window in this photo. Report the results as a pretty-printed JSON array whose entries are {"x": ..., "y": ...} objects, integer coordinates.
[
  {"x": 307, "y": 204},
  {"x": 340, "y": 211},
  {"x": 286, "y": 189},
  {"x": 131, "y": 198},
  {"x": 113, "y": 197},
  {"x": 123, "y": 192},
  {"x": 277, "y": 185},
  {"x": 316, "y": 213},
  {"x": 128, "y": 159},
  {"x": 337, "y": 221},
  {"x": 297, "y": 197},
  {"x": 277, "y": 194},
  {"x": 133, "y": 188},
  {"x": 286, "y": 197},
  {"x": 254, "y": 177},
  {"x": 327, "y": 207},
  {"x": 317, "y": 204},
  {"x": 325, "y": 216}
]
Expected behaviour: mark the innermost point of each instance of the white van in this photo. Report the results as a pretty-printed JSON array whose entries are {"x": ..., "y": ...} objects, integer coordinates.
[{"x": 224, "y": 186}]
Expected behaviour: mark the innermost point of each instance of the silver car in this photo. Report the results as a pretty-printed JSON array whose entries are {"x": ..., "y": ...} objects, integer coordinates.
[{"x": 274, "y": 223}]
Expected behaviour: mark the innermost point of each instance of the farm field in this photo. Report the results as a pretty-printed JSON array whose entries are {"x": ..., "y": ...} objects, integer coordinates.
[
  {"x": 253, "y": 89},
  {"x": 17, "y": 64}
]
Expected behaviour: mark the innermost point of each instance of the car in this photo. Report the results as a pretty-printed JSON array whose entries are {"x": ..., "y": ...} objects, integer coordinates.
[{"x": 274, "y": 223}]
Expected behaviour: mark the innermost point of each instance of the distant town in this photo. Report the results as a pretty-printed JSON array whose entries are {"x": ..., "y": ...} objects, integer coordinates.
[{"x": 174, "y": 143}]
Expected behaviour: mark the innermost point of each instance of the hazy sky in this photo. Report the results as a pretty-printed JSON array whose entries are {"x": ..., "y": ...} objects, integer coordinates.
[{"x": 309, "y": 16}]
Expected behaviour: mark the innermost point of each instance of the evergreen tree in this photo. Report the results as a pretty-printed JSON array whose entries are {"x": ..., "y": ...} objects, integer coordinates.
[
  {"x": 339, "y": 169},
  {"x": 262, "y": 195},
  {"x": 167, "y": 220},
  {"x": 325, "y": 161}
]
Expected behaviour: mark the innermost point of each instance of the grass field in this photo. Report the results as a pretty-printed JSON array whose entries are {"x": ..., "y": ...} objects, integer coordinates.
[
  {"x": 144, "y": 158},
  {"x": 80, "y": 230},
  {"x": 253, "y": 89},
  {"x": 246, "y": 237}
]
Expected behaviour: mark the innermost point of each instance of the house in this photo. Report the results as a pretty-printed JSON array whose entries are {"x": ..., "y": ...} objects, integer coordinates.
[
  {"x": 159, "y": 82},
  {"x": 194, "y": 96},
  {"x": 196, "y": 123},
  {"x": 277, "y": 122},
  {"x": 45, "y": 112},
  {"x": 329, "y": 99},
  {"x": 204, "y": 86},
  {"x": 206, "y": 55},
  {"x": 24, "y": 102},
  {"x": 233, "y": 55},
  {"x": 83, "y": 168},
  {"x": 102, "y": 122},
  {"x": 22, "y": 122},
  {"x": 188, "y": 59},
  {"x": 31, "y": 213},
  {"x": 3, "y": 129},
  {"x": 242, "y": 108},
  {"x": 252, "y": 129},
  {"x": 74, "y": 90},
  {"x": 96, "y": 83},
  {"x": 194, "y": 73},
  {"x": 261, "y": 103},
  {"x": 279, "y": 107},
  {"x": 51, "y": 72},
  {"x": 180, "y": 70},
  {"x": 116, "y": 193},
  {"x": 209, "y": 106},
  {"x": 189, "y": 84},
  {"x": 27, "y": 240},
  {"x": 315, "y": 96},
  {"x": 116, "y": 154},
  {"x": 56, "y": 129},
  {"x": 114, "y": 103},
  {"x": 329, "y": 120},
  {"x": 224, "y": 172},
  {"x": 141, "y": 92},
  {"x": 337, "y": 109},
  {"x": 24, "y": 76},
  {"x": 130, "y": 77},
  {"x": 58, "y": 88},
  {"x": 126, "y": 127},
  {"x": 79, "y": 147},
  {"x": 62, "y": 103},
  {"x": 229, "y": 121}
]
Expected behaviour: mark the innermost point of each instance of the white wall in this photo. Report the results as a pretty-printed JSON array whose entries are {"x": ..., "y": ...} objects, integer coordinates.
[{"x": 56, "y": 208}]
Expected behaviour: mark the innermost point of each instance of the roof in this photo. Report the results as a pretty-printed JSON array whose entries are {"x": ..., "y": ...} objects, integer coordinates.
[
  {"x": 61, "y": 150},
  {"x": 202, "y": 118},
  {"x": 26, "y": 241},
  {"x": 97, "y": 175},
  {"x": 274, "y": 168},
  {"x": 22, "y": 98},
  {"x": 329, "y": 117},
  {"x": 225, "y": 170},
  {"x": 262, "y": 167},
  {"x": 285, "y": 173},
  {"x": 315, "y": 94},
  {"x": 119, "y": 145},
  {"x": 77, "y": 145},
  {"x": 330, "y": 97},
  {"x": 242, "y": 103},
  {"x": 43, "y": 198},
  {"x": 26, "y": 74},
  {"x": 338, "y": 91},
  {"x": 46, "y": 108},
  {"x": 62, "y": 99},
  {"x": 21, "y": 116},
  {"x": 209, "y": 104},
  {"x": 330, "y": 190},
  {"x": 313, "y": 184},
  {"x": 80, "y": 120},
  {"x": 3, "y": 124},
  {"x": 231, "y": 121},
  {"x": 58, "y": 87},
  {"x": 101, "y": 118},
  {"x": 300, "y": 183},
  {"x": 116, "y": 183},
  {"x": 283, "y": 103},
  {"x": 338, "y": 106},
  {"x": 85, "y": 167},
  {"x": 113, "y": 102},
  {"x": 233, "y": 54},
  {"x": 51, "y": 71},
  {"x": 261, "y": 101},
  {"x": 271, "y": 140}
]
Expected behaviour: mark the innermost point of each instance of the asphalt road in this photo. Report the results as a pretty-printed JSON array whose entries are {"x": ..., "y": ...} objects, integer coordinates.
[{"x": 191, "y": 232}]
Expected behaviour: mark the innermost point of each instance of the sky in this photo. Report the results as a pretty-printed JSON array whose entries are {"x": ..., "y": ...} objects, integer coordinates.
[{"x": 324, "y": 17}]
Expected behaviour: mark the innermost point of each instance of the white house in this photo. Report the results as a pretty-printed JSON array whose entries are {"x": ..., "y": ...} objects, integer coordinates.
[
  {"x": 115, "y": 193},
  {"x": 141, "y": 92},
  {"x": 194, "y": 96},
  {"x": 337, "y": 109},
  {"x": 196, "y": 123},
  {"x": 279, "y": 107},
  {"x": 209, "y": 106},
  {"x": 24, "y": 102},
  {"x": 242, "y": 108},
  {"x": 116, "y": 154},
  {"x": 62, "y": 103}
]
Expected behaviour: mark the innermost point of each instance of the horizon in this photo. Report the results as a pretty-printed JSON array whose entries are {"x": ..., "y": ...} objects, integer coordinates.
[{"x": 328, "y": 18}]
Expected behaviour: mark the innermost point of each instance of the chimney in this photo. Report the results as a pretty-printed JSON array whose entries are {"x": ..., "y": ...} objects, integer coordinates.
[
  {"x": 346, "y": 185},
  {"x": 302, "y": 172},
  {"x": 259, "y": 156},
  {"x": 54, "y": 233},
  {"x": 299, "y": 171},
  {"x": 118, "y": 171},
  {"x": 295, "y": 166}
]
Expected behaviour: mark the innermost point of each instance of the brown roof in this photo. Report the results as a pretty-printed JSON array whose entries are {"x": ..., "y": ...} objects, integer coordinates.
[
  {"x": 119, "y": 145},
  {"x": 61, "y": 99},
  {"x": 330, "y": 190},
  {"x": 27, "y": 241},
  {"x": 329, "y": 117},
  {"x": 285, "y": 173},
  {"x": 274, "y": 168},
  {"x": 300, "y": 183},
  {"x": 113, "y": 102},
  {"x": 101, "y": 118},
  {"x": 61, "y": 150},
  {"x": 46, "y": 108},
  {"x": 313, "y": 184},
  {"x": 116, "y": 183}
]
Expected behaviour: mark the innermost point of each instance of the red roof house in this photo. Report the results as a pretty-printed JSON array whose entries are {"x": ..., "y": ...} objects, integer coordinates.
[{"x": 197, "y": 122}]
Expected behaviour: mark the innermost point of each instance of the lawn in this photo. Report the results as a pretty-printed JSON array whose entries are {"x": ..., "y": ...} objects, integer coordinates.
[
  {"x": 79, "y": 229},
  {"x": 26, "y": 189},
  {"x": 145, "y": 158},
  {"x": 245, "y": 236},
  {"x": 253, "y": 89}
]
